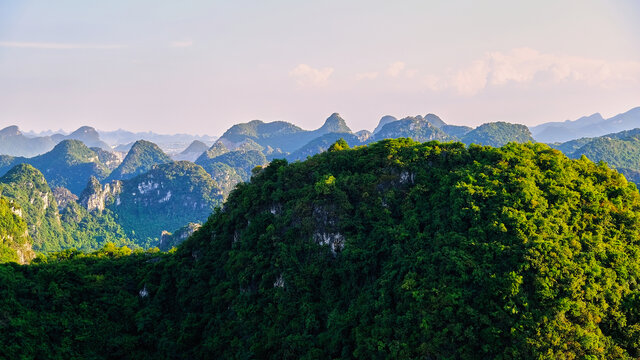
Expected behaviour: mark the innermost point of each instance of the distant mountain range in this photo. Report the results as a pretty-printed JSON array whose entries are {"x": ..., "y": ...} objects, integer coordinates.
[
  {"x": 586, "y": 126},
  {"x": 109, "y": 191},
  {"x": 16, "y": 143}
]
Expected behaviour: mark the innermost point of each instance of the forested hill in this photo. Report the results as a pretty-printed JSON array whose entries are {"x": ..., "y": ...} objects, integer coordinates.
[{"x": 393, "y": 250}]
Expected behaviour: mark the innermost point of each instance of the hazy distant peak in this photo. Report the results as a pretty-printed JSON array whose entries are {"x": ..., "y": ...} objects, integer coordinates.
[
  {"x": 384, "y": 121},
  {"x": 335, "y": 123},
  {"x": 85, "y": 130},
  {"x": 587, "y": 120},
  {"x": 12, "y": 130},
  {"x": 196, "y": 146},
  {"x": 435, "y": 120}
]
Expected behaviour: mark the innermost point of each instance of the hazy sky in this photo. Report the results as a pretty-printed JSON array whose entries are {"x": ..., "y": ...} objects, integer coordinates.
[{"x": 201, "y": 66}]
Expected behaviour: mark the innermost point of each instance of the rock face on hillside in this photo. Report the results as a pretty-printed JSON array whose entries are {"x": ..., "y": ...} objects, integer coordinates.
[
  {"x": 95, "y": 196},
  {"x": 166, "y": 197},
  {"x": 169, "y": 240},
  {"x": 64, "y": 197}
]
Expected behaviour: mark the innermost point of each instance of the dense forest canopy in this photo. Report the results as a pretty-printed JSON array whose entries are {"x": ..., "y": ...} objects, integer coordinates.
[{"x": 393, "y": 250}]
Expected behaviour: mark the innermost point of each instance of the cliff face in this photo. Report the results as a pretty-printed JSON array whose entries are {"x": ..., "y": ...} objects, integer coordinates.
[{"x": 96, "y": 197}]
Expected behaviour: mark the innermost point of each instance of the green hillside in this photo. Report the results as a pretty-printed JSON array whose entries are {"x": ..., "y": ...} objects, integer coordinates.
[
  {"x": 69, "y": 164},
  {"x": 393, "y": 250},
  {"x": 142, "y": 156},
  {"x": 498, "y": 134},
  {"x": 416, "y": 128},
  {"x": 27, "y": 187},
  {"x": 165, "y": 198}
]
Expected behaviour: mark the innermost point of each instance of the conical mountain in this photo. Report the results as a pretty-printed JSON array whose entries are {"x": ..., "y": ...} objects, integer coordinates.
[
  {"x": 334, "y": 124},
  {"x": 141, "y": 158},
  {"x": 384, "y": 121},
  {"x": 218, "y": 148},
  {"x": 192, "y": 152},
  {"x": 196, "y": 146},
  {"x": 14, "y": 143},
  {"x": 89, "y": 136}
]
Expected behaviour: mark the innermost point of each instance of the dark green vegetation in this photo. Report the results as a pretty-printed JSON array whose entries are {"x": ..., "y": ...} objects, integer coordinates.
[
  {"x": 140, "y": 159},
  {"x": 395, "y": 250}
]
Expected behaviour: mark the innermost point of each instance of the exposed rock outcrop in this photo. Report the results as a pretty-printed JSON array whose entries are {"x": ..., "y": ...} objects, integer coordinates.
[{"x": 96, "y": 197}]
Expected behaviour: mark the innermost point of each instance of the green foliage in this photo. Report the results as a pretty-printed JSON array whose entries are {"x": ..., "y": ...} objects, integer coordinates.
[
  {"x": 90, "y": 231},
  {"x": 15, "y": 243},
  {"x": 166, "y": 197},
  {"x": 393, "y": 250},
  {"x": 51, "y": 230},
  {"x": 72, "y": 305},
  {"x": 624, "y": 153},
  {"x": 142, "y": 157},
  {"x": 339, "y": 145},
  {"x": 406, "y": 250},
  {"x": 27, "y": 187}
]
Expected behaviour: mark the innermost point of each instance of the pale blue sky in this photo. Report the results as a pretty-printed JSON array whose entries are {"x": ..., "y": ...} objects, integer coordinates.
[{"x": 201, "y": 66}]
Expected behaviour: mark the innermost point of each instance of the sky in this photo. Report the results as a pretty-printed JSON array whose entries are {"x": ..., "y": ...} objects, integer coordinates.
[{"x": 201, "y": 66}]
